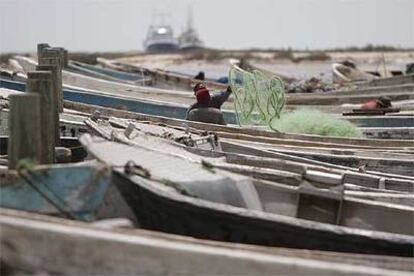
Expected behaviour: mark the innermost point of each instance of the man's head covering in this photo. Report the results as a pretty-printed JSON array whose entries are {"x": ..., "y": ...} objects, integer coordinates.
[
  {"x": 199, "y": 86},
  {"x": 203, "y": 96},
  {"x": 202, "y": 93}
]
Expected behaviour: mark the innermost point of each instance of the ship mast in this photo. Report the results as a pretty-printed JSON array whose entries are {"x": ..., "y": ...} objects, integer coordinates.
[{"x": 190, "y": 18}]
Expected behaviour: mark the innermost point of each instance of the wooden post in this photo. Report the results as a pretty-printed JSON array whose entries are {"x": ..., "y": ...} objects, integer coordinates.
[
  {"x": 65, "y": 58},
  {"x": 62, "y": 55},
  {"x": 40, "y": 48},
  {"x": 24, "y": 129},
  {"x": 41, "y": 82},
  {"x": 55, "y": 98},
  {"x": 55, "y": 57}
]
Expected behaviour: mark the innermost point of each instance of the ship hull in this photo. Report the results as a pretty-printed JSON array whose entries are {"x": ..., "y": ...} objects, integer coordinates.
[{"x": 162, "y": 48}]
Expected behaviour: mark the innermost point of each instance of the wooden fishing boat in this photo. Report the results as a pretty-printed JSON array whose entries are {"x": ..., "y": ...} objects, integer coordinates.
[
  {"x": 243, "y": 149},
  {"x": 395, "y": 80},
  {"x": 47, "y": 190},
  {"x": 77, "y": 80},
  {"x": 344, "y": 73},
  {"x": 396, "y": 84},
  {"x": 225, "y": 131},
  {"x": 107, "y": 74},
  {"x": 321, "y": 148},
  {"x": 349, "y": 97},
  {"x": 300, "y": 144},
  {"x": 401, "y": 165},
  {"x": 388, "y": 133},
  {"x": 71, "y": 125},
  {"x": 161, "y": 78},
  {"x": 169, "y": 108},
  {"x": 78, "y": 153},
  {"x": 121, "y": 101},
  {"x": 257, "y": 158},
  {"x": 249, "y": 134},
  {"x": 334, "y": 99},
  {"x": 75, "y": 191},
  {"x": 346, "y": 91},
  {"x": 376, "y": 180},
  {"x": 156, "y": 108},
  {"x": 29, "y": 64},
  {"x": 185, "y": 98},
  {"x": 108, "y": 132},
  {"x": 162, "y": 206},
  {"x": 73, "y": 80},
  {"x": 373, "y": 91},
  {"x": 383, "y": 121},
  {"x": 334, "y": 151},
  {"x": 116, "y": 72},
  {"x": 254, "y": 205},
  {"x": 235, "y": 147},
  {"x": 74, "y": 68},
  {"x": 12, "y": 75},
  {"x": 31, "y": 240},
  {"x": 161, "y": 131}
]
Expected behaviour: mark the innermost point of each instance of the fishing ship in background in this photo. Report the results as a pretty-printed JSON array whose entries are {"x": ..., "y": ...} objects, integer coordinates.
[
  {"x": 160, "y": 37},
  {"x": 189, "y": 39}
]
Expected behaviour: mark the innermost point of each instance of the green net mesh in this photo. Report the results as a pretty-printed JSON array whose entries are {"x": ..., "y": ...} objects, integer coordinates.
[{"x": 258, "y": 98}]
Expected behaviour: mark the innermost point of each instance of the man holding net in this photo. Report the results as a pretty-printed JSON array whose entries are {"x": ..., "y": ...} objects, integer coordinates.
[{"x": 207, "y": 107}]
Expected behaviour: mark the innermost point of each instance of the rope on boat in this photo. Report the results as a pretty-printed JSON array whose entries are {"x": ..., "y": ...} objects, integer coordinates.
[
  {"x": 258, "y": 98},
  {"x": 24, "y": 170}
]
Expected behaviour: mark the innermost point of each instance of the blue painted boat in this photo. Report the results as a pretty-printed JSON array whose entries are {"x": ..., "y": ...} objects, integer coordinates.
[
  {"x": 171, "y": 110},
  {"x": 161, "y": 78},
  {"x": 61, "y": 190},
  {"x": 383, "y": 121},
  {"x": 126, "y": 103},
  {"x": 123, "y": 76}
]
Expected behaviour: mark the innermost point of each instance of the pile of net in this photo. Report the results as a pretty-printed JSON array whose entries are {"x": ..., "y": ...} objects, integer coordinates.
[
  {"x": 311, "y": 121},
  {"x": 258, "y": 99}
]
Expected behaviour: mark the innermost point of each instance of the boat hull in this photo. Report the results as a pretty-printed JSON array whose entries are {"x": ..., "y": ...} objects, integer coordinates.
[
  {"x": 162, "y": 48},
  {"x": 184, "y": 217},
  {"x": 123, "y": 76},
  {"x": 147, "y": 253},
  {"x": 146, "y": 107},
  {"x": 77, "y": 190},
  {"x": 178, "y": 111}
]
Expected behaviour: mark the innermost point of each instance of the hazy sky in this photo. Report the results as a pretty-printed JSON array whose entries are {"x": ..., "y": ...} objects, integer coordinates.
[{"x": 118, "y": 25}]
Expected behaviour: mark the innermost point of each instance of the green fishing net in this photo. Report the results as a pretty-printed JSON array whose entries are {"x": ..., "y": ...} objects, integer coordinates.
[
  {"x": 258, "y": 98},
  {"x": 311, "y": 121}
]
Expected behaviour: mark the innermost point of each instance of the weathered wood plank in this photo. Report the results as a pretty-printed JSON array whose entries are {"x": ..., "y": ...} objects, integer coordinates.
[
  {"x": 24, "y": 133},
  {"x": 36, "y": 238},
  {"x": 40, "y": 82},
  {"x": 54, "y": 100}
]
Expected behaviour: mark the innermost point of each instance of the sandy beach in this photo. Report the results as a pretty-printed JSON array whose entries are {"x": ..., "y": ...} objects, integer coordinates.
[{"x": 367, "y": 61}]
